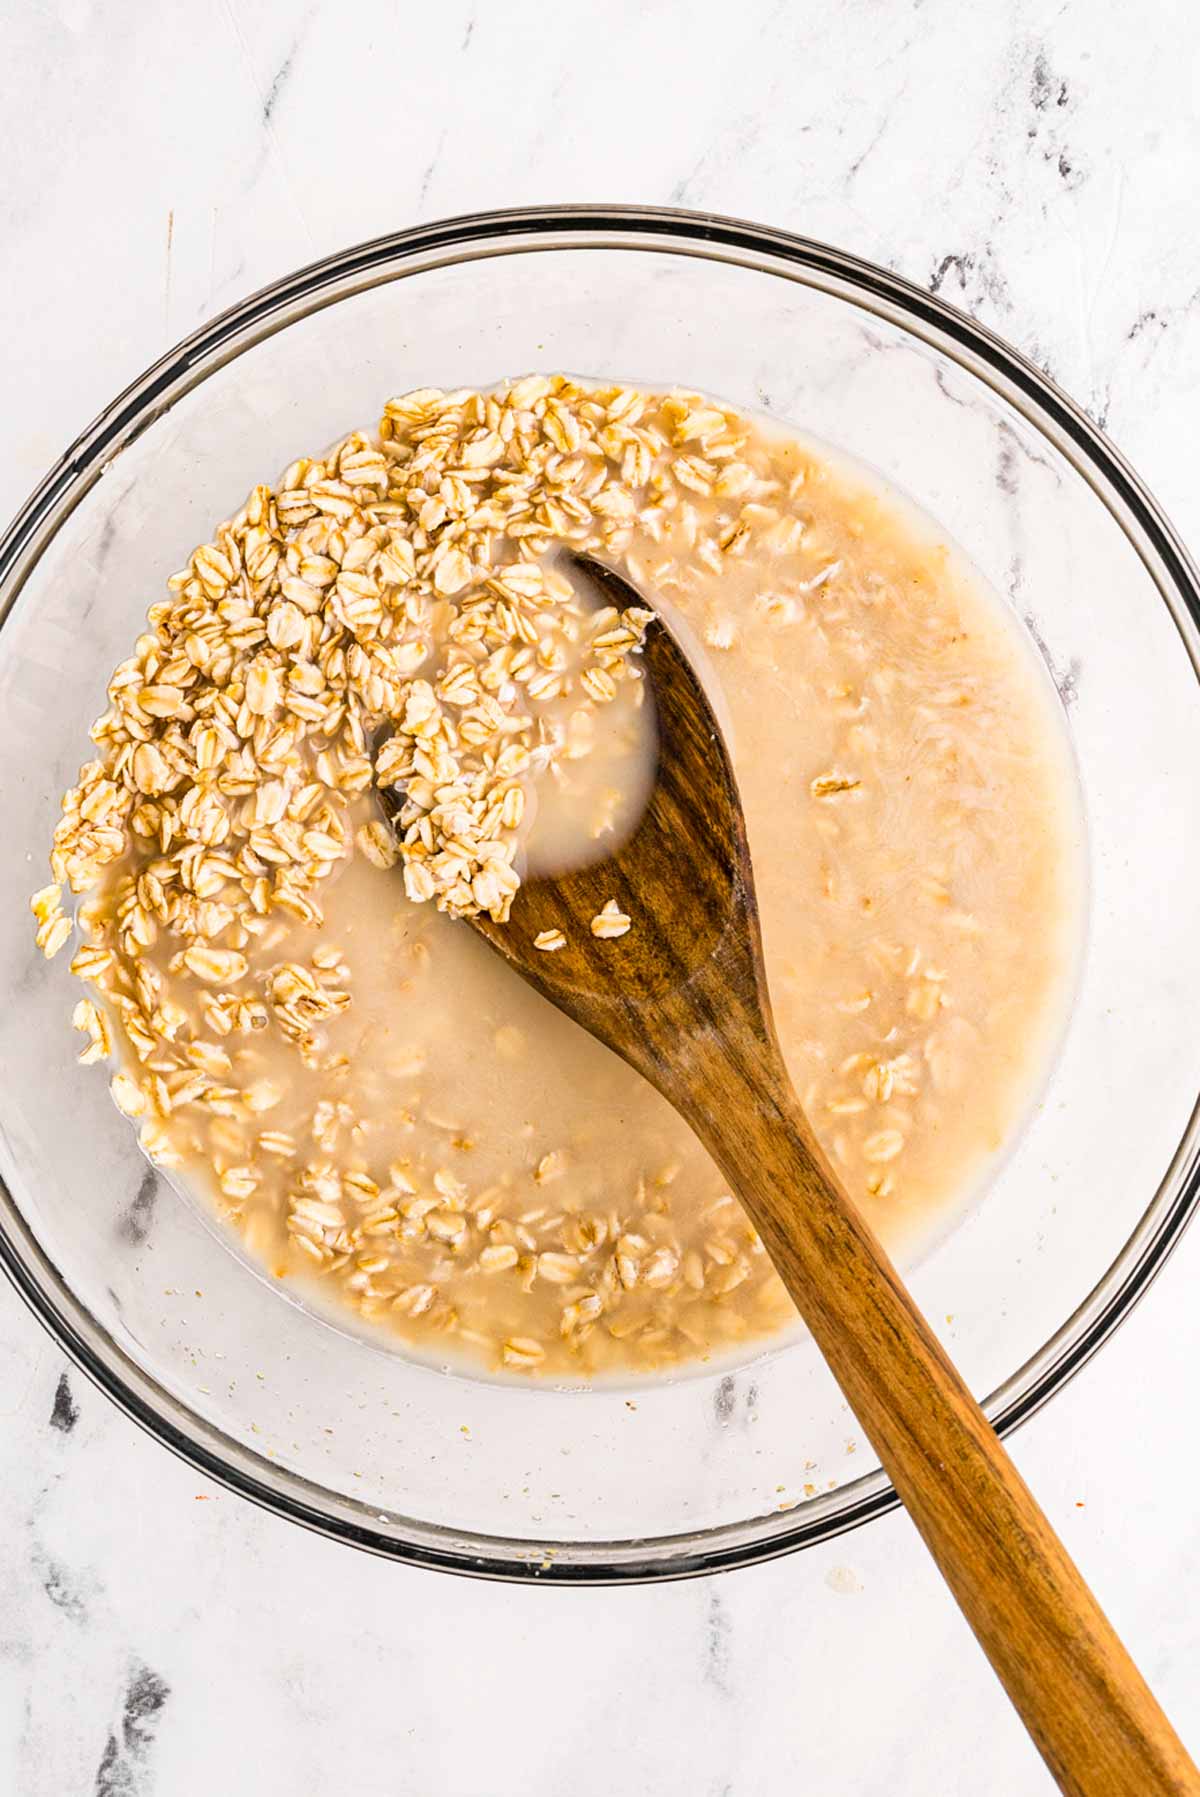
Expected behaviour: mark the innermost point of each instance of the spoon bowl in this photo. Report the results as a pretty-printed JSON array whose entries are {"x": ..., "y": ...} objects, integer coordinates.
[{"x": 688, "y": 850}]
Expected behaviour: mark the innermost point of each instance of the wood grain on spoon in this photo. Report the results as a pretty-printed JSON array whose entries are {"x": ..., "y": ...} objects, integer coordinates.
[{"x": 683, "y": 998}]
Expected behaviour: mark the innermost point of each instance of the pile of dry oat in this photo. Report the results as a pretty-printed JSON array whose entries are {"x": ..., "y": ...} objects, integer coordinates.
[{"x": 397, "y": 582}]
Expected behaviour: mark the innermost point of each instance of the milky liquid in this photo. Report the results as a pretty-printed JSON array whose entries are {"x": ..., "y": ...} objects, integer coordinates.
[{"x": 915, "y": 833}]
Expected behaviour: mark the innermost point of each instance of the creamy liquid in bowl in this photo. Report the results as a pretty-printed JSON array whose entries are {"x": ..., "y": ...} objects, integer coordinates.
[{"x": 400, "y": 1119}]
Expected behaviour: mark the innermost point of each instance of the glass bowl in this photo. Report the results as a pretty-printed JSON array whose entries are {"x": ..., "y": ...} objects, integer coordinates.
[{"x": 729, "y": 1464}]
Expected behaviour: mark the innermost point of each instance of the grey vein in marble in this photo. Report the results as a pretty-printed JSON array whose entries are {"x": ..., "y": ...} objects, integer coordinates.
[
  {"x": 65, "y": 1413},
  {"x": 59, "y": 1585},
  {"x": 124, "y": 1769},
  {"x": 135, "y": 1223}
]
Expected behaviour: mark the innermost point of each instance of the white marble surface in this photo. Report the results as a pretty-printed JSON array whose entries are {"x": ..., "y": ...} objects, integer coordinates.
[{"x": 1036, "y": 164}]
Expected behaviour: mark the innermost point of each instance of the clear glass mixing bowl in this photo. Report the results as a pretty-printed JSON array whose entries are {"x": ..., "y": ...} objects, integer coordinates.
[{"x": 721, "y": 1467}]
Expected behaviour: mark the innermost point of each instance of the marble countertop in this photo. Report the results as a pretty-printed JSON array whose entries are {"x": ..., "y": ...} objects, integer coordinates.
[{"x": 1037, "y": 166}]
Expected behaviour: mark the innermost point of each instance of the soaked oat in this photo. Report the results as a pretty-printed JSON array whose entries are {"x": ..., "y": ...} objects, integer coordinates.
[{"x": 374, "y": 1100}]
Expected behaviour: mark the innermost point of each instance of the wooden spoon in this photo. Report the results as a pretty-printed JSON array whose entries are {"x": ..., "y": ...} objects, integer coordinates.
[{"x": 683, "y": 998}]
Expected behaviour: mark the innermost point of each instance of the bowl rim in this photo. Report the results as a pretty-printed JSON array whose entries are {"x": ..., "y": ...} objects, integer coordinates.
[{"x": 712, "y": 237}]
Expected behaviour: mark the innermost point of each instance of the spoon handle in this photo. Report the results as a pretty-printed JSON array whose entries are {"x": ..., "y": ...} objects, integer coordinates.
[{"x": 1080, "y": 1695}]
